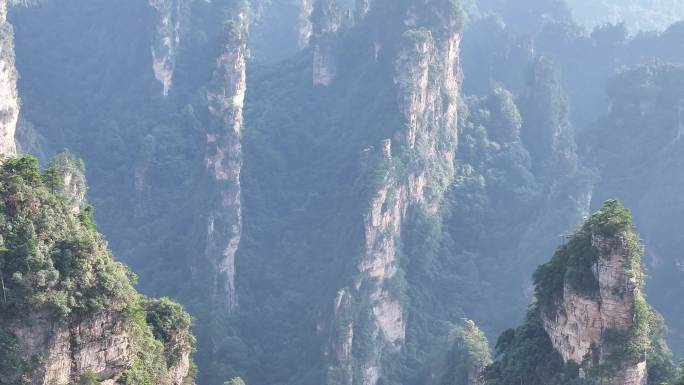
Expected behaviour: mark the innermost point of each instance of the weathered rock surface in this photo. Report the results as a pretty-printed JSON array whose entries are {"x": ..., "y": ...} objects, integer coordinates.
[
  {"x": 100, "y": 345},
  {"x": 224, "y": 155},
  {"x": 166, "y": 40},
  {"x": 582, "y": 321},
  {"x": 427, "y": 78}
]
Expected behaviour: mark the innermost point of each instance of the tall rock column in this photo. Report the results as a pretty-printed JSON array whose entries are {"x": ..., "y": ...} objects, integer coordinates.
[
  {"x": 601, "y": 317},
  {"x": 9, "y": 98},
  {"x": 166, "y": 39},
  {"x": 416, "y": 166},
  {"x": 427, "y": 76},
  {"x": 224, "y": 155},
  {"x": 327, "y": 18}
]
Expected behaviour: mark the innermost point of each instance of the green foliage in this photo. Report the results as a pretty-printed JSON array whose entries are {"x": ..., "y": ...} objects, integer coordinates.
[
  {"x": 573, "y": 265},
  {"x": 50, "y": 257},
  {"x": 53, "y": 260},
  {"x": 467, "y": 356},
  {"x": 88, "y": 378},
  {"x": 525, "y": 354},
  {"x": 573, "y": 262},
  {"x": 171, "y": 325},
  {"x": 10, "y": 360}
]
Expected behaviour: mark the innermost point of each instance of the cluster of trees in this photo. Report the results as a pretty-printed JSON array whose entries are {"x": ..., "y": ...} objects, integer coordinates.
[{"x": 53, "y": 261}]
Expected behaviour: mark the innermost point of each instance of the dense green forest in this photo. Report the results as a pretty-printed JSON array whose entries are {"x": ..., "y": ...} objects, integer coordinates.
[
  {"x": 56, "y": 270},
  {"x": 359, "y": 192}
]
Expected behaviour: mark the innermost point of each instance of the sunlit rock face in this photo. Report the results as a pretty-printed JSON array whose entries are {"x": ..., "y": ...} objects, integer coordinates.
[
  {"x": 426, "y": 69},
  {"x": 224, "y": 156},
  {"x": 99, "y": 344},
  {"x": 582, "y": 321},
  {"x": 9, "y": 99},
  {"x": 166, "y": 40}
]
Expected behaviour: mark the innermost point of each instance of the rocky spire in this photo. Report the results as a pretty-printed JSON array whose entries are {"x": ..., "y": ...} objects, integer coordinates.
[
  {"x": 166, "y": 40},
  {"x": 224, "y": 154},
  {"x": 427, "y": 78},
  {"x": 9, "y": 98},
  {"x": 600, "y": 316}
]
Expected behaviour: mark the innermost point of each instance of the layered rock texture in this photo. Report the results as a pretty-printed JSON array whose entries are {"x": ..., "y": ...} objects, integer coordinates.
[
  {"x": 9, "y": 99},
  {"x": 224, "y": 155},
  {"x": 69, "y": 311},
  {"x": 591, "y": 322},
  {"x": 586, "y": 320},
  {"x": 412, "y": 171},
  {"x": 166, "y": 40}
]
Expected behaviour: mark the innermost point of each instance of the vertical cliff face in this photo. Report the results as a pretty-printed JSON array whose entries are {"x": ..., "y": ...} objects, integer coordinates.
[
  {"x": 582, "y": 322},
  {"x": 414, "y": 169},
  {"x": 9, "y": 99},
  {"x": 166, "y": 40},
  {"x": 590, "y": 322},
  {"x": 327, "y": 18},
  {"x": 599, "y": 317},
  {"x": 427, "y": 75},
  {"x": 98, "y": 344},
  {"x": 224, "y": 155}
]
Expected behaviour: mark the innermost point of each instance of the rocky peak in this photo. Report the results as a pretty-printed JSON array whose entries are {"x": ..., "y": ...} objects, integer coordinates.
[
  {"x": 596, "y": 315},
  {"x": 590, "y": 322}
]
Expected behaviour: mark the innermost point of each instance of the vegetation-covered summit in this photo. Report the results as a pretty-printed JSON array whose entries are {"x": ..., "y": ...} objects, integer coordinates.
[
  {"x": 56, "y": 269},
  {"x": 528, "y": 352}
]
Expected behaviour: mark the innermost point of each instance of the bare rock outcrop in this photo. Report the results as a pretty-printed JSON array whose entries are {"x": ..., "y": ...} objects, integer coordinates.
[
  {"x": 412, "y": 171},
  {"x": 166, "y": 40},
  {"x": 100, "y": 345},
  {"x": 224, "y": 155},
  {"x": 601, "y": 314}
]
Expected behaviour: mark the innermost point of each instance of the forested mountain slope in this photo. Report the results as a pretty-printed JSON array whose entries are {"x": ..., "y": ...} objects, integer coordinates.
[
  {"x": 331, "y": 188},
  {"x": 70, "y": 313}
]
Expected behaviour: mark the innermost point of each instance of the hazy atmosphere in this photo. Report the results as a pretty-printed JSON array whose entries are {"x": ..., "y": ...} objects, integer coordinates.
[{"x": 341, "y": 192}]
